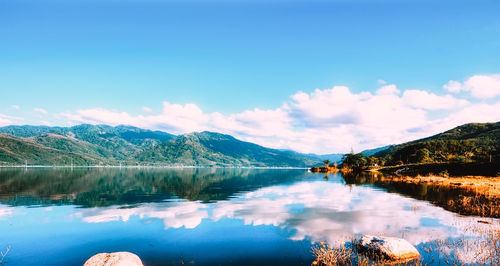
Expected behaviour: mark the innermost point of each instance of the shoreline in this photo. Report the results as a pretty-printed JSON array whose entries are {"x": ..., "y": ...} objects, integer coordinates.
[
  {"x": 463, "y": 188},
  {"x": 451, "y": 169},
  {"x": 468, "y": 195},
  {"x": 479, "y": 195},
  {"x": 151, "y": 166},
  {"x": 480, "y": 184}
]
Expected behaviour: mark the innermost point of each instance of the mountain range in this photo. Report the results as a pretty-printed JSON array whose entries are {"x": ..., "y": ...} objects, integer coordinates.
[
  {"x": 126, "y": 145},
  {"x": 106, "y": 145}
]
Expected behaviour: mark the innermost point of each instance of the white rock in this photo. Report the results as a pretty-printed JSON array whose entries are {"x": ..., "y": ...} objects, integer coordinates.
[
  {"x": 389, "y": 248},
  {"x": 114, "y": 259}
]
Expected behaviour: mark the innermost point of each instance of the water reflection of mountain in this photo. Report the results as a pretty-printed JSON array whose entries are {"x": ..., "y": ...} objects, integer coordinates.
[{"x": 90, "y": 187}]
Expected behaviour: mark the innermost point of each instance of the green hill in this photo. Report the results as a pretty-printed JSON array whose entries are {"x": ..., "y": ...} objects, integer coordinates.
[
  {"x": 473, "y": 142},
  {"x": 112, "y": 143},
  {"x": 73, "y": 145},
  {"x": 123, "y": 141},
  {"x": 30, "y": 131},
  {"x": 371, "y": 152},
  {"x": 96, "y": 144},
  {"x": 18, "y": 151},
  {"x": 208, "y": 148}
]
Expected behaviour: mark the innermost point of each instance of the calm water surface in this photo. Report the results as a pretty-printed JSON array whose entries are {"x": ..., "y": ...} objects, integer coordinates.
[{"x": 203, "y": 216}]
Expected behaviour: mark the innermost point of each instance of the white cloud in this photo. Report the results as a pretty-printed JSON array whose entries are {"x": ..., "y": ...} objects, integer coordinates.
[
  {"x": 46, "y": 123},
  {"x": 40, "y": 110},
  {"x": 338, "y": 119},
  {"x": 381, "y": 82},
  {"x": 480, "y": 113},
  {"x": 322, "y": 121},
  {"x": 9, "y": 120},
  {"x": 4, "y": 120},
  {"x": 479, "y": 86},
  {"x": 147, "y": 109},
  {"x": 426, "y": 100},
  {"x": 16, "y": 107},
  {"x": 388, "y": 90},
  {"x": 453, "y": 86},
  {"x": 101, "y": 116}
]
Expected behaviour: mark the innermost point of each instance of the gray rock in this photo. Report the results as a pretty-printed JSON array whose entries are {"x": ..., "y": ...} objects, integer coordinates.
[
  {"x": 387, "y": 248},
  {"x": 114, "y": 259}
]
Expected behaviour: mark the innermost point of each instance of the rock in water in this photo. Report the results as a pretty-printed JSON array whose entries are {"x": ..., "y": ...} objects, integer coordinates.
[
  {"x": 388, "y": 248},
  {"x": 114, "y": 259}
]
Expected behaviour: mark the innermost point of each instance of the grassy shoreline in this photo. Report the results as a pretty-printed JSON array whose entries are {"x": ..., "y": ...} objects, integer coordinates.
[
  {"x": 485, "y": 169},
  {"x": 477, "y": 195},
  {"x": 464, "y": 188},
  {"x": 466, "y": 195}
]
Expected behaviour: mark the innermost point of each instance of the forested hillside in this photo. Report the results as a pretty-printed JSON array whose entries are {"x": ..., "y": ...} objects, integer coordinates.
[
  {"x": 126, "y": 145},
  {"x": 475, "y": 142}
]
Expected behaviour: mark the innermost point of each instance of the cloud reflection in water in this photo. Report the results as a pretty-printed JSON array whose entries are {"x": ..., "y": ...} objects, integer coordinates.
[
  {"x": 173, "y": 214},
  {"x": 316, "y": 211},
  {"x": 5, "y": 211}
]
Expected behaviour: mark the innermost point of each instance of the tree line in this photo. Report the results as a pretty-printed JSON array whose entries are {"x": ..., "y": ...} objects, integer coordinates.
[{"x": 429, "y": 151}]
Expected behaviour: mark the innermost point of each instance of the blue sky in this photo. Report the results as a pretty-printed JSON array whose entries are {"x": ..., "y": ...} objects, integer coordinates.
[{"x": 230, "y": 57}]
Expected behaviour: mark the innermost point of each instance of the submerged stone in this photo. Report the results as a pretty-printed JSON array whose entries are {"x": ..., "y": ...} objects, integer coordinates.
[
  {"x": 387, "y": 248},
  {"x": 114, "y": 259}
]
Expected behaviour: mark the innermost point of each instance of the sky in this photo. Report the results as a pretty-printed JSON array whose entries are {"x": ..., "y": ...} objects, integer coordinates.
[{"x": 312, "y": 76}]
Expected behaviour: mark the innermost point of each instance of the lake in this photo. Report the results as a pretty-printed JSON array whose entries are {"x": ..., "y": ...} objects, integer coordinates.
[{"x": 207, "y": 216}]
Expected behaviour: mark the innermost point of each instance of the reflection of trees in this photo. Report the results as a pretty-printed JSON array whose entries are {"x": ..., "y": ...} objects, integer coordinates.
[
  {"x": 441, "y": 195},
  {"x": 104, "y": 186},
  {"x": 418, "y": 191}
]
